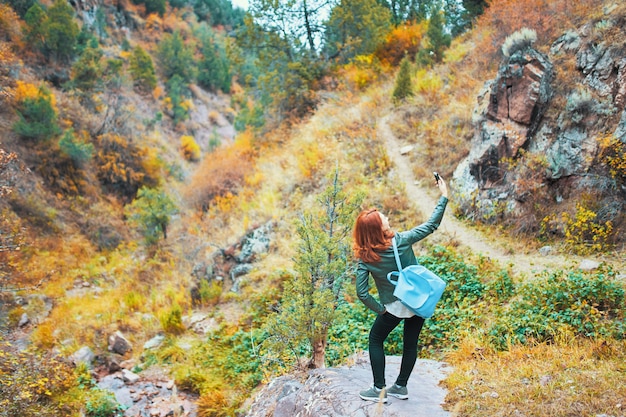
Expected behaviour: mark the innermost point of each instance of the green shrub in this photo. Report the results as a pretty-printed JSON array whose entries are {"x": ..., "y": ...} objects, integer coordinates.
[
  {"x": 102, "y": 403},
  {"x": 37, "y": 117},
  {"x": 151, "y": 212},
  {"x": 502, "y": 287},
  {"x": 142, "y": 70},
  {"x": 209, "y": 292},
  {"x": 403, "y": 87},
  {"x": 80, "y": 151},
  {"x": 172, "y": 320},
  {"x": 588, "y": 305},
  {"x": 87, "y": 70}
]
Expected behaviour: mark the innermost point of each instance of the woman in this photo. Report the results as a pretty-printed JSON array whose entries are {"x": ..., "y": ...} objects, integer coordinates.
[{"x": 373, "y": 248}]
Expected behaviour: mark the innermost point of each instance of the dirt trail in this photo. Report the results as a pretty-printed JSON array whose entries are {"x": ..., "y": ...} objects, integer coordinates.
[{"x": 452, "y": 229}]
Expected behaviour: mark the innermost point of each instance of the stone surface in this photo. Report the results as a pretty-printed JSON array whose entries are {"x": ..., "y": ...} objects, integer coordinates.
[
  {"x": 333, "y": 392},
  {"x": 119, "y": 344},
  {"x": 588, "y": 265},
  {"x": 83, "y": 355},
  {"x": 154, "y": 342},
  {"x": 504, "y": 119}
]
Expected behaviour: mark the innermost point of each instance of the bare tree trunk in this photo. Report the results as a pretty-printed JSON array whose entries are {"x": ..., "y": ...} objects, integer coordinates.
[
  {"x": 319, "y": 352},
  {"x": 309, "y": 29}
]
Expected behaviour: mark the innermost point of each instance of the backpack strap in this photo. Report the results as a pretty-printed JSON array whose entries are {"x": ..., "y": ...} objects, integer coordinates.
[{"x": 395, "y": 252}]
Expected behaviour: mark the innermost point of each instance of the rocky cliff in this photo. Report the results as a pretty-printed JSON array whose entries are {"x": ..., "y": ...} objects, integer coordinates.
[{"x": 539, "y": 127}]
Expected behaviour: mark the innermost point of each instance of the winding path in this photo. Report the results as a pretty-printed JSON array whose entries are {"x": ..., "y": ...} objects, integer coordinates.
[{"x": 454, "y": 230}]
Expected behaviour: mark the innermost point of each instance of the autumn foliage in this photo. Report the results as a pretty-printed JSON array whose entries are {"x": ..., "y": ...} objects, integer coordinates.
[
  {"x": 402, "y": 41},
  {"x": 504, "y": 17},
  {"x": 222, "y": 173},
  {"x": 122, "y": 166}
]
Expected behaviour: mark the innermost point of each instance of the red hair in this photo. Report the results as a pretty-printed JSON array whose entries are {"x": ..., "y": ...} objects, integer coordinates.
[{"x": 369, "y": 236}]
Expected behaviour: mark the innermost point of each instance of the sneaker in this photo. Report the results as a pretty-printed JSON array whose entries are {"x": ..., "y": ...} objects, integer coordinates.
[
  {"x": 374, "y": 394},
  {"x": 398, "y": 392}
]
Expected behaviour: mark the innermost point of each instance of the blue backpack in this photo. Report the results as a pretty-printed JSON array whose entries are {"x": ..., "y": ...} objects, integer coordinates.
[{"x": 417, "y": 287}]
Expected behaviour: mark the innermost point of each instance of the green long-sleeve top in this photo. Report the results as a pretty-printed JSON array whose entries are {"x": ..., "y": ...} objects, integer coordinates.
[{"x": 387, "y": 263}]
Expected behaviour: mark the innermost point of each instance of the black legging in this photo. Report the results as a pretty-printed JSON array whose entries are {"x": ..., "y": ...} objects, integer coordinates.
[{"x": 381, "y": 328}]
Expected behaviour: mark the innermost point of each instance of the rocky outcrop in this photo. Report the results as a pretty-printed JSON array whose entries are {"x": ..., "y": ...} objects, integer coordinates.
[
  {"x": 516, "y": 150},
  {"x": 119, "y": 344},
  {"x": 333, "y": 392},
  {"x": 151, "y": 396},
  {"x": 230, "y": 264},
  {"x": 506, "y": 118}
]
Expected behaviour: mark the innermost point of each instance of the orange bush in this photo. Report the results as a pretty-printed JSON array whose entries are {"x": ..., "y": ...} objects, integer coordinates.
[
  {"x": 123, "y": 167},
  {"x": 9, "y": 24},
  {"x": 401, "y": 41},
  {"x": 362, "y": 71},
  {"x": 190, "y": 148},
  {"x": 221, "y": 174}
]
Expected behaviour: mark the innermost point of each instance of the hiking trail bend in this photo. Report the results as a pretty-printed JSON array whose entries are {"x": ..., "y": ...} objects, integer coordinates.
[{"x": 451, "y": 228}]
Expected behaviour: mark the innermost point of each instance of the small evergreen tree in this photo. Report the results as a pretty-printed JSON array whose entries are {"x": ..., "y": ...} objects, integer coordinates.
[
  {"x": 87, "y": 70},
  {"x": 151, "y": 212},
  {"x": 324, "y": 263},
  {"x": 403, "y": 87},
  {"x": 142, "y": 70},
  {"x": 20, "y": 6},
  {"x": 79, "y": 150},
  {"x": 37, "y": 117},
  {"x": 213, "y": 68},
  {"x": 34, "y": 30},
  {"x": 155, "y": 6},
  {"x": 176, "y": 58},
  {"x": 60, "y": 31},
  {"x": 438, "y": 38},
  {"x": 176, "y": 92}
]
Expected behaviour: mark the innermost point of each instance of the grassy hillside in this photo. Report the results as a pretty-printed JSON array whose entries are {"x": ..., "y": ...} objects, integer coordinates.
[{"x": 67, "y": 241}]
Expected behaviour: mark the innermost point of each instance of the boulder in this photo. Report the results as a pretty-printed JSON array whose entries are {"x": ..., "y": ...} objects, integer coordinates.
[
  {"x": 155, "y": 342},
  {"x": 83, "y": 355},
  {"x": 620, "y": 132},
  {"x": 119, "y": 344},
  {"x": 588, "y": 265},
  {"x": 570, "y": 41},
  {"x": 129, "y": 377},
  {"x": 620, "y": 97},
  {"x": 24, "y": 320},
  {"x": 254, "y": 243}
]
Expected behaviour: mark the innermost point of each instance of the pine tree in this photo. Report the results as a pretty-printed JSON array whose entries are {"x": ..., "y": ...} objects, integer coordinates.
[
  {"x": 176, "y": 58},
  {"x": 142, "y": 70},
  {"x": 437, "y": 36},
  {"x": 60, "y": 31},
  {"x": 151, "y": 212},
  {"x": 323, "y": 266},
  {"x": 213, "y": 68},
  {"x": 34, "y": 19},
  {"x": 356, "y": 27},
  {"x": 37, "y": 117},
  {"x": 403, "y": 87}
]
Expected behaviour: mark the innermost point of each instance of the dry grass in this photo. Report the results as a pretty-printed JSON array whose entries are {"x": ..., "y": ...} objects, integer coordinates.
[{"x": 568, "y": 378}]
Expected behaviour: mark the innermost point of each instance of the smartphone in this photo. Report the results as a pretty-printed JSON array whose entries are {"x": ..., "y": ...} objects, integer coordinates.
[{"x": 437, "y": 178}]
